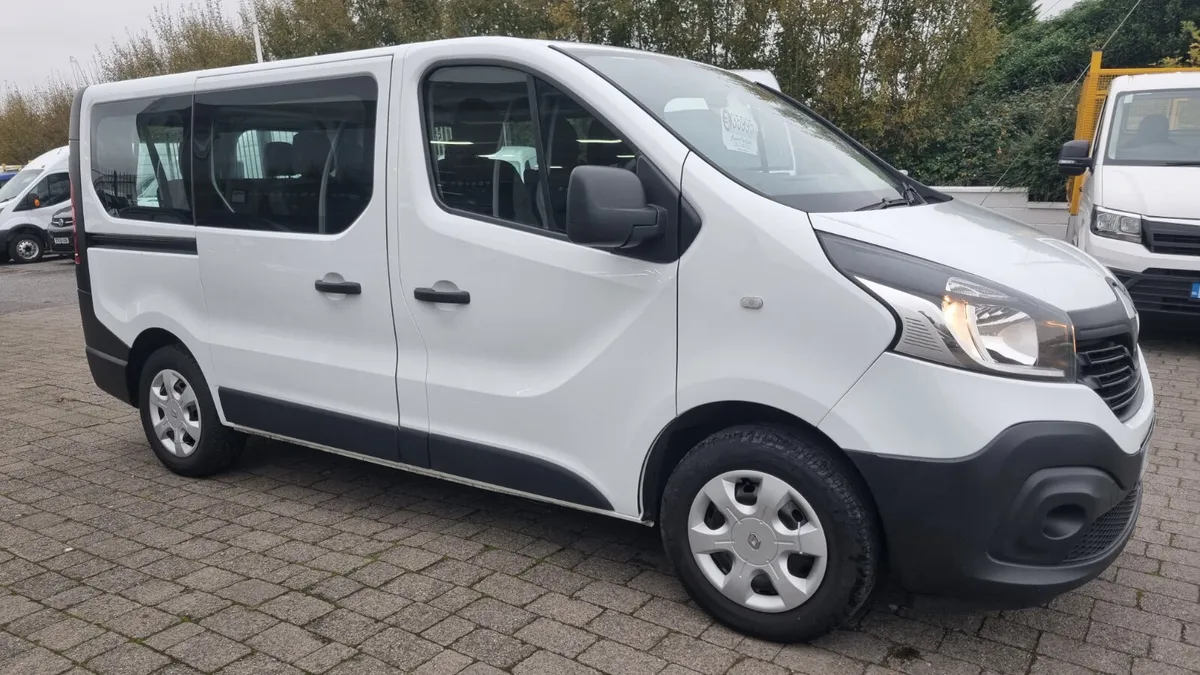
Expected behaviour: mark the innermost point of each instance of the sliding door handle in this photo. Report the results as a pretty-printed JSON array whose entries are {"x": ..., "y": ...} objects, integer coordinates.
[
  {"x": 339, "y": 287},
  {"x": 443, "y": 297}
]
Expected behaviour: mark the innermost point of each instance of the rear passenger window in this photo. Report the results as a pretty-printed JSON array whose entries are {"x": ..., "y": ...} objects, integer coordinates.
[
  {"x": 139, "y": 168},
  {"x": 289, "y": 158},
  {"x": 486, "y": 153}
]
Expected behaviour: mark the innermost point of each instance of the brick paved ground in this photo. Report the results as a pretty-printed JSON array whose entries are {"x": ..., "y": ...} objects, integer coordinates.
[{"x": 298, "y": 561}]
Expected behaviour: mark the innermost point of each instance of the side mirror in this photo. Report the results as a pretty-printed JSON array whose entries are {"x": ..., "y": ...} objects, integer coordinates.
[
  {"x": 1075, "y": 158},
  {"x": 606, "y": 208}
]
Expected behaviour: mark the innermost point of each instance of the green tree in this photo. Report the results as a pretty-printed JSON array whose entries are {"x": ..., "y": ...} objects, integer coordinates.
[{"x": 1014, "y": 14}]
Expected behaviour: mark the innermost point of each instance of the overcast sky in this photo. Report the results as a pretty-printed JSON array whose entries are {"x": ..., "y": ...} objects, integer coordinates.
[{"x": 38, "y": 37}]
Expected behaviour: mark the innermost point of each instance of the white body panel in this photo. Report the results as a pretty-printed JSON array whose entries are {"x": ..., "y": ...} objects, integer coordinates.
[
  {"x": 888, "y": 410},
  {"x": 781, "y": 355}
]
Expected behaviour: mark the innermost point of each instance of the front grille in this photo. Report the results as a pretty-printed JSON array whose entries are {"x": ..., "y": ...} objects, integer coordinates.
[
  {"x": 1109, "y": 367},
  {"x": 1102, "y": 534},
  {"x": 1171, "y": 238},
  {"x": 1162, "y": 290}
]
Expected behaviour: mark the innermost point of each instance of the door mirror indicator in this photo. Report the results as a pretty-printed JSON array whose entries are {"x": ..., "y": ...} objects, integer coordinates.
[
  {"x": 1075, "y": 158},
  {"x": 606, "y": 208}
]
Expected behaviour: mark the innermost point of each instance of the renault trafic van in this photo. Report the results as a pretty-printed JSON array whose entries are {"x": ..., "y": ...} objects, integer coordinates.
[
  {"x": 28, "y": 201},
  {"x": 801, "y": 368},
  {"x": 1138, "y": 213}
]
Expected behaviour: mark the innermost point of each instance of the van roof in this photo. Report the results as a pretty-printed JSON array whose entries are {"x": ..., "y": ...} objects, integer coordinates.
[
  {"x": 44, "y": 161},
  {"x": 179, "y": 82},
  {"x": 1155, "y": 81}
]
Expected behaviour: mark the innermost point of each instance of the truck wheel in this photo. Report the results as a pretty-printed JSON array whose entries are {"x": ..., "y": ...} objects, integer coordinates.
[
  {"x": 770, "y": 534},
  {"x": 180, "y": 419},
  {"x": 26, "y": 247}
]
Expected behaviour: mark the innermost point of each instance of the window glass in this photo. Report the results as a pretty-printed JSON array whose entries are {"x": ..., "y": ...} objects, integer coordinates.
[
  {"x": 1156, "y": 128},
  {"x": 290, "y": 158},
  {"x": 53, "y": 189},
  {"x": 17, "y": 183},
  {"x": 138, "y": 162},
  {"x": 485, "y": 152},
  {"x": 751, "y": 133}
]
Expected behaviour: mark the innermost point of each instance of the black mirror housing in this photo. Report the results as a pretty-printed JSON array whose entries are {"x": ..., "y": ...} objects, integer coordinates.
[
  {"x": 1075, "y": 158},
  {"x": 606, "y": 208}
]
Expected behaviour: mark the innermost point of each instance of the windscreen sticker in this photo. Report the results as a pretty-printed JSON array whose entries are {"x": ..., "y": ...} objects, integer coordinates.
[{"x": 739, "y": 131}]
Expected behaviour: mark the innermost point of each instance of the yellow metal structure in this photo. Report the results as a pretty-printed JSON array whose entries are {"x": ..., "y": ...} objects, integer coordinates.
[{"x": 1091, "y": 105}]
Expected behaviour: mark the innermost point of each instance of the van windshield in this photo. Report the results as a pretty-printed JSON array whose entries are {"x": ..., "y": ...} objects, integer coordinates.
[
  {"x": 1156, "y": 128},
  {"x": 19, "y": 182},
  {"x": 750, "y": 133}
]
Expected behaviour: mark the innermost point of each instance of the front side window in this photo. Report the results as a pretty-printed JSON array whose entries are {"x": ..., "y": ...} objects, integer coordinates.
[
  {"x": 749, "y": 132},
  {"x": 482, "y": 124},
  {"x": 18, "y": 183},
  {"x": 294, "y": 157},
  {"x": 52, "y": 190},
  {"x": 139, "y": 159},
  {"x": 1156, "y": 128}
]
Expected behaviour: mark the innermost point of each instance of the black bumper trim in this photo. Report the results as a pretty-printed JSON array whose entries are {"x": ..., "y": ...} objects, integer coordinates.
[
  {"x": 109, "y": 373},
  {"x": 996, "y": 527},
  {"x": 1162, "y": 291}
]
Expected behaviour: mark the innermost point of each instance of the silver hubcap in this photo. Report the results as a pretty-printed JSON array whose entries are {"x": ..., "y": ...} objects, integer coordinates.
[
  {"x": 27, "y": 249},
  {"x": 757, "y": 540},
  {"x": 175, "y": 413}
]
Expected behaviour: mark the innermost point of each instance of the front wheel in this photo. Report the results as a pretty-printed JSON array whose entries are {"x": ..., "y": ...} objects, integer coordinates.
[
  {"x": 180, "y": 418},
  {"x": 770, "y": 534},
  {"x": 26, "y": 247}
]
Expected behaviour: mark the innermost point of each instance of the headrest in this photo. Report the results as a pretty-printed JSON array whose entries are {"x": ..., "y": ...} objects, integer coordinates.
[
  {"x": 278, "y": 160},
  {"x": 312, "y": 151}
]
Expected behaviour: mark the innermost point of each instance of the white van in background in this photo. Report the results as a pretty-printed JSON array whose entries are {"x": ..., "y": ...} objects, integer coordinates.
[
  {"x": 28, "y": 202},
  {"x": 1139, "y": 211},
  {"x": 621, "y": 282}
]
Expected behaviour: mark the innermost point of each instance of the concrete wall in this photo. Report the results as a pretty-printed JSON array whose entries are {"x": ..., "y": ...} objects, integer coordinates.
[{"x": 1049, "y": 217}]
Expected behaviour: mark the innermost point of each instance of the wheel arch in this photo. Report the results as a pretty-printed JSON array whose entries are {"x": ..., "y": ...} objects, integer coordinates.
[
  {"x": 692, "y": 426},
  {"x": 25, "y": 228},
  {"x": 146, "y": 343}
]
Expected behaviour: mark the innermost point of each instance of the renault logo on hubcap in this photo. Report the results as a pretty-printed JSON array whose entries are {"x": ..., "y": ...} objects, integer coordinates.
[{"x": 754, "y": 541}]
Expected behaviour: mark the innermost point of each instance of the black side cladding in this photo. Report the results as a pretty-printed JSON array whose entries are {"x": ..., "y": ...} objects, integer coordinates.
[{"x": 107, "y": 355}]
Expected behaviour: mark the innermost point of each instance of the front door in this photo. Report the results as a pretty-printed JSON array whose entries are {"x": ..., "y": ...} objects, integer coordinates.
[
  {"x": 551, "y": 365},
  {"x": 292, "y": 236}
]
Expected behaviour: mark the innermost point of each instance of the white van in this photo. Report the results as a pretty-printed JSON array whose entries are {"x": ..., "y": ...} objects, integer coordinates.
[
  {"x": 28, "y": 201},
  {"x": 1138, "y": 211},
  {"x": 573, "y": 273}
]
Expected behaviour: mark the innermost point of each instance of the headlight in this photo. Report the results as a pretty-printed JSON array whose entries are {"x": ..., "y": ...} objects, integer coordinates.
[
  {"x": 1117, "y": 225},
  {"x": 960, "y": 320}
]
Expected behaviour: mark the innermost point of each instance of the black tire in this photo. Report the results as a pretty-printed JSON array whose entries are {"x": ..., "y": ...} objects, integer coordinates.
[
  {"x": 826, "y": 482},
  {"x": 218, "y": 445},
  {"x": 22, "y": 242}
]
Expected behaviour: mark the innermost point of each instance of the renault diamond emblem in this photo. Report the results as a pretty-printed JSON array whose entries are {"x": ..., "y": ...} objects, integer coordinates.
[{"x": 754, "y": 541}]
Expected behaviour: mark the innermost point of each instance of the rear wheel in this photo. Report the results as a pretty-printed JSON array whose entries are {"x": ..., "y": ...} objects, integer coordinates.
[
  {"x": 769, "y": 532},
  {"x": 26, "y": 247},
  {"x": 180, "y": 418}
]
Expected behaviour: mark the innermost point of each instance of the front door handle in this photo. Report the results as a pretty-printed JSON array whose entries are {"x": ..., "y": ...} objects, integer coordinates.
[
  {"x": 444, "y": 297},
  {"x": 339, "y": 287}
]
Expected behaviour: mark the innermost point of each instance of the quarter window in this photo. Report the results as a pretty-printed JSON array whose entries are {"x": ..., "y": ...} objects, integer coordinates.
[
  {"x": 138, "y": 166},
  {"x": 290, "y": 158},
  {"x": 482, "y": 125}
]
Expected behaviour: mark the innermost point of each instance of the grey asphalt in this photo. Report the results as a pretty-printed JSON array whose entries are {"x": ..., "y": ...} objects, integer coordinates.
[{"x": 49, "y": 283}]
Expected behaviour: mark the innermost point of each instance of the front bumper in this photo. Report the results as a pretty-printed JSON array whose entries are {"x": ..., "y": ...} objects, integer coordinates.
[
  {"x": 992, "y": 490},
  {"x": 61, "y": 240},
  {"x": 1044, "y": 508},
  {"x": 1163, "y": 291}
]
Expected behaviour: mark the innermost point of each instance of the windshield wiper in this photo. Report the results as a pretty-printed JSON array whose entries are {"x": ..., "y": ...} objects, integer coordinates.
[{"x": 910, "y": 198}]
